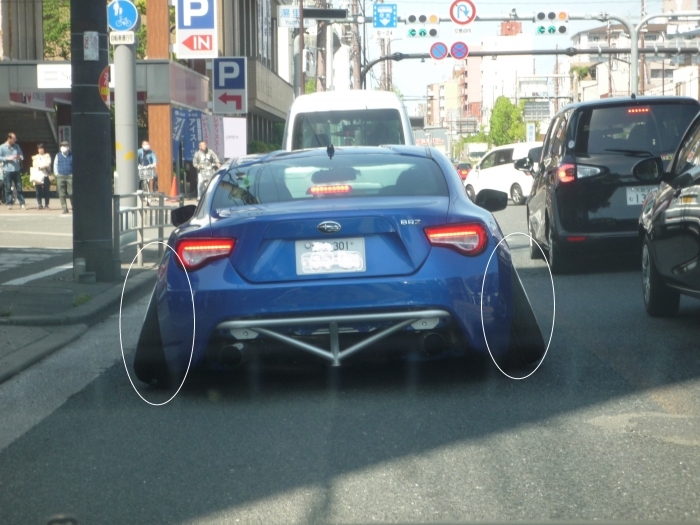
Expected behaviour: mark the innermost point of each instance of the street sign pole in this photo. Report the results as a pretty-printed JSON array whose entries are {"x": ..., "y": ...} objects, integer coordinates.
[
  {"x": 302, "y": 84},
  {"x": 125, "y": 124},
  {"x": 92, "y": 178}
]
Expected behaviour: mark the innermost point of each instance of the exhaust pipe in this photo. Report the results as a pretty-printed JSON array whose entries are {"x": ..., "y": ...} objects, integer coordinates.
[
  {"x": 433, "y": 344},
  {"x": 232, "y": 355}
]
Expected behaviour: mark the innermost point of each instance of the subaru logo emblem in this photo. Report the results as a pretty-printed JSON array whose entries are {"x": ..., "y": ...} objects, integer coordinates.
[{"x": 328, "y": 227}]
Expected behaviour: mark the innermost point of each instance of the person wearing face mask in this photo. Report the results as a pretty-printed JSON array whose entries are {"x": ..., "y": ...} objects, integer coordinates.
[
  {"x": 63, "y": 170},
  {"x": 147, "y": 157},
  {"x": 41, "y": 173},
  {"x": 10, "y": 158},
  {"x": 204, "y": 162}
]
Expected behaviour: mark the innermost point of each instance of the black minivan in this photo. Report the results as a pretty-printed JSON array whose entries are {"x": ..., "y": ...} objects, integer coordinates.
[{"x": 584, "y": 196}]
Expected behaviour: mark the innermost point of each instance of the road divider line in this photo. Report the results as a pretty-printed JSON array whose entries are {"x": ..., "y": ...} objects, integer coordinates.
[
  {"x": 15, "y": 232},
  {"x": 34, "y": 276}
]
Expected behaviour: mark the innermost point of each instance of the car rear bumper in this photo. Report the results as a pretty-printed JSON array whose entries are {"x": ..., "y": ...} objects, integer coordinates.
[{"x": 223, "y": 301}]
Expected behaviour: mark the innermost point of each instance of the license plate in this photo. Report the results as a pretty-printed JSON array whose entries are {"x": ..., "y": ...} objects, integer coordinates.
[
  {"x": 331, "y": 256},
  {"x": 637, "y": 194}
]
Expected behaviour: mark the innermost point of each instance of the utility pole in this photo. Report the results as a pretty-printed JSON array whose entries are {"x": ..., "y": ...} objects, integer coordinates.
[
  {"x": 320, "y": 48},
  {"x": 609, "y": 64},
  {"x": 389, "y": 67},
  {"x": 92, "y": 177},
  {"x": 556, "y": 83},
  {"x": 302, "y": 81},
  {"x": 356, "y": 67},
  {"x": 382, "y": 81},
  {"x": 643, "y": 65}
]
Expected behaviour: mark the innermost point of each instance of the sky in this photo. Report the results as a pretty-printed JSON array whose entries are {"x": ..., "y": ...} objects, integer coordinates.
[{"x": 412, "y": 76}]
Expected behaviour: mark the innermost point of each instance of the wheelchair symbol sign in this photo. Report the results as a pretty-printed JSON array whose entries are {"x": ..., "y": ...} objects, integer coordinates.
[{"x": 463, "y": 12}]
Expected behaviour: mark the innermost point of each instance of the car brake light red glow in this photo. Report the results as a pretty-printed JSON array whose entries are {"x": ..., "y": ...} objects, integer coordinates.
[
  {"x": 578, "y": 238},
  {"x": 329, "y": 190},
  {"x": 566, "y": 173},
  {"x": 195, "y": 253},
  {"x": 468, "y": 239},
  {"x": 638, "y": 110}
]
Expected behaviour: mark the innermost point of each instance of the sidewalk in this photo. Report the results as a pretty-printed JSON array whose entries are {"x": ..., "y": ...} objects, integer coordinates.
[{"x": 42, "y": 308}]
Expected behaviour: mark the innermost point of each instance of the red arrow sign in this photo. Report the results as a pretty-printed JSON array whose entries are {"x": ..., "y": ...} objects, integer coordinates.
[
  {"x": 198, "y": 42},
  {"x": 226, "y": 98}
]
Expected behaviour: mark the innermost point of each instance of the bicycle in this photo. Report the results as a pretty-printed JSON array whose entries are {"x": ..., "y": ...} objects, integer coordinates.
[{"x": 146, "y": 174}]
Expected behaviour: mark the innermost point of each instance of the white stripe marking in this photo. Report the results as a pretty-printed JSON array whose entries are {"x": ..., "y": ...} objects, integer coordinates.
[
  {"x": 13, "y": 232},
  {"x": 50, "y": 271}
]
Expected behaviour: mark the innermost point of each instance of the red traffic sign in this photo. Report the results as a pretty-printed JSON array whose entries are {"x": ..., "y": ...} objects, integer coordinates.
[
  {"x": 103, "y": 86},
  {"x": 198, "y": 43},
  {"x": 438, "y": 51},
  {"x": 463, "y": 12},
  {"x": 459, "y": 50},
  {"x": 226, "y": 98}
]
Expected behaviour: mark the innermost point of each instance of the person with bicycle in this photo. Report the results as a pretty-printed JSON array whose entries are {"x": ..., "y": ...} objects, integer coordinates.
[
  {"x": 63, "y": 170},
  {"x": 206, "y": 163},
  {"x": 147, "y": 157}
]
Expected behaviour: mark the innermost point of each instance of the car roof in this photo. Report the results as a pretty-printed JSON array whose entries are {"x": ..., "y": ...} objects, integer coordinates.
[
  {"x": 518, "y": 145},
  {"x": 638, "y": 101},
  {"x": 346, "y": 100}
]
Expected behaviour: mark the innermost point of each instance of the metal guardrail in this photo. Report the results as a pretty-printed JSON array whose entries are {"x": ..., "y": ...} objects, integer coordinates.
[{"x": 137, "y": 220}]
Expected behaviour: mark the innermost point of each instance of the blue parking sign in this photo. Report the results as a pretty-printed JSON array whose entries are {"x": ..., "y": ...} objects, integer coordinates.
[
  {"x": 196, "y": 14},
  {"x": 229, "y": 73}
]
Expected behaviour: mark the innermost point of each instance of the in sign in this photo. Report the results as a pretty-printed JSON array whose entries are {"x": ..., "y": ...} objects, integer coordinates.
[
  {"x": 438, "y": 51},
  {"x": 459, "y": 50},
  {"x": 463, "y": 12},
  {"x": 198, "y": 42}
]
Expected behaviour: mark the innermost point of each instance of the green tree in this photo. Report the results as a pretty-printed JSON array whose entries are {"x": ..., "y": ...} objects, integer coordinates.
[
  {"x": 141, "y": 34},
  {"x": 56, "y": 22},
  {"x": 506, "y": 123}
]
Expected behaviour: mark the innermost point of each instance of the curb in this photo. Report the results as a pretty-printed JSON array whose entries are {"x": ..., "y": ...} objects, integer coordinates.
[
  {"x": 94, "y": 310},
  {"x": 28, "y": 355}
]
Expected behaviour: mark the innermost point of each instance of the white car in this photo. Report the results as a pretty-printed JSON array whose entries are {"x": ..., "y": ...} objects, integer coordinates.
[
  {"x": 347, "y": 118},
  {"x": 495, "y": 171}
]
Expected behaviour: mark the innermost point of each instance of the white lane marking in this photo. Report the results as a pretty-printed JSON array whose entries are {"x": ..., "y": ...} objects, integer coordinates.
[
  {"x": 52, "y": 234},
  {"x": 34, "y": 394},
  {"x": 34, "y": 276}
]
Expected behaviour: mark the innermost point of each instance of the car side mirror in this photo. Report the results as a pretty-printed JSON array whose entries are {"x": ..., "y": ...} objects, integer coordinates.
[
  {"x": 183, "y": 214},
  {"x": 524, "y": 164},
  {"x": 649, "y": 170},
  {"x": 492, "y": 200}
]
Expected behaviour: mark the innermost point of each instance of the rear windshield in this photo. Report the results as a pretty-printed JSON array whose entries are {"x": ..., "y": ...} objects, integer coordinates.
[
  {"x": 654, "y": 128},
  {"x": 320, "y": 177},
  {"x": 464, "y": 166},
  {"x": 362, "y": 127}
]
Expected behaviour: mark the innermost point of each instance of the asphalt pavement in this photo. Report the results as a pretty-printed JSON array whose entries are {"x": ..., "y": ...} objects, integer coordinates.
[{"x": 606, "y": 429}]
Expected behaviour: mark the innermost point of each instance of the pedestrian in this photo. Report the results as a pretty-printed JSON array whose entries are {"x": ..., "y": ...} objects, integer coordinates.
[
  {"x": 11, "y": 156},
  {"x": 63, "y": 170},
  {"x": 147, "y": 157},
  {"x": 41, "y": 177},
  {"x": 204, "y": 161}
]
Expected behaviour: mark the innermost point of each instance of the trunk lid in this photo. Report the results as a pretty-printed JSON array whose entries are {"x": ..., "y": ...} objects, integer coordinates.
[{"x": 271, "y": 240}]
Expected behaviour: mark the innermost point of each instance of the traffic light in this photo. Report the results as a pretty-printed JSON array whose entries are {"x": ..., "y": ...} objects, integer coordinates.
[
  {"x": 419, "y": 21},
  {"x": 553, "y": 22}
]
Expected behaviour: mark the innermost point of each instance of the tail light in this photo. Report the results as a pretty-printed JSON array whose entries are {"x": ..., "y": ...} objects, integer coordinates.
[
  {"x": 467, "y": 239},
  {"x": 330, "y": 190},
  {"x": 566, "y": 173},
  {"x": 195, "y": 253},
  {"x": 577, "y": 238},
  {"x": 463, "y": 174}
]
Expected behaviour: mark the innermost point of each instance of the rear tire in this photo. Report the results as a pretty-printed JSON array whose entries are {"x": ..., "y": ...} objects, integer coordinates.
[
  {"x": 526, "y": 346},
  {"x": 559, "y": 261},
  {"x": 516, "y": 193},
  {"x": 535, "y": 252},
  {"x": 470, "y": 192},
  {"x": 150, "y": 366},
  {"x": 659, "y": 299}
]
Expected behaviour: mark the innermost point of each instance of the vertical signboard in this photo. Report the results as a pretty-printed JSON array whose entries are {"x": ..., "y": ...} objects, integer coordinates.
[
  {"x": 530, "y": 134},
  {"x": 235, "y": 140},
  {"x": 196, "y": 33},
  {"x": 230, "y": 95}
]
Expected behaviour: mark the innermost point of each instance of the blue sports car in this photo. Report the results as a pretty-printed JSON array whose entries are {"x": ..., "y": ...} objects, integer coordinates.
[{"x": 336, "y": 254}]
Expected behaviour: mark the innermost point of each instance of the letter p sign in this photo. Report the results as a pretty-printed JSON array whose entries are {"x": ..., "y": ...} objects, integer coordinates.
[
  {"x": 196, "y": 14},
  {"x": 227, "y": 71}
]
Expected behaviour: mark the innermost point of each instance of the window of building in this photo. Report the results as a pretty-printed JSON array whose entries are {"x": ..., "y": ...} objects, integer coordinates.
[{"x": 656, "y": 73}]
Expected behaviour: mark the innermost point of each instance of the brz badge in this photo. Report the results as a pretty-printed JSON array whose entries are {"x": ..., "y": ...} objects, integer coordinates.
[{"x": 328, "y": 227}]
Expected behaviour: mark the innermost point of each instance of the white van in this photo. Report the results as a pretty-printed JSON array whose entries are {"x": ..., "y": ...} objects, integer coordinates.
[
  {"x": 495, "y": 171},
  {"x": 347, "y": 118}
]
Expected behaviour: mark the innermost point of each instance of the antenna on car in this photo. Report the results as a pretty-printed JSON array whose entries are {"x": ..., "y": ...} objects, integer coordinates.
[{"x": 330, "y": 150}]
